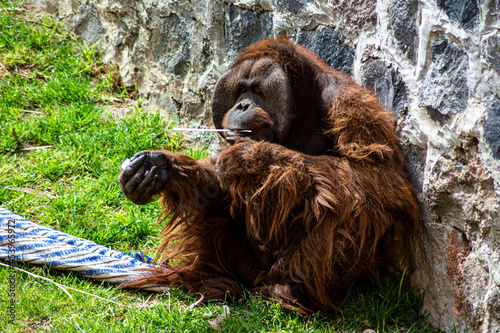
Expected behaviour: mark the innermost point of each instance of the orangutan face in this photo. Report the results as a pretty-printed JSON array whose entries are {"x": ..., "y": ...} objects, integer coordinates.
[{"x": 255, "y": 95}]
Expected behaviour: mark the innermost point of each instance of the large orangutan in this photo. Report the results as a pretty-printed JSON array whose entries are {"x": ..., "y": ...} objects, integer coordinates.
[{"x": 308, "y": 196}]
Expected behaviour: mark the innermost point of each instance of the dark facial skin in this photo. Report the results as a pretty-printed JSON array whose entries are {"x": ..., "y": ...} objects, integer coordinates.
[{"x": 254, "y": 95}]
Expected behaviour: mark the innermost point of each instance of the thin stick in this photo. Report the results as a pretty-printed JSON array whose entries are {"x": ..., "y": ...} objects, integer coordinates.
[
  {"x": 38, "y": 147},
  {"x": 63, "y": 287},
  {"x": 208, "y": 130},
  {"x": 31, "y": 111}
]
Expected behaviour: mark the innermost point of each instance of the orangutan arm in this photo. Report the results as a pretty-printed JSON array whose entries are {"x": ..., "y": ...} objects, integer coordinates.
[
  {"x": 183, "y": 182},
  {"x": 212, "y": 246}
]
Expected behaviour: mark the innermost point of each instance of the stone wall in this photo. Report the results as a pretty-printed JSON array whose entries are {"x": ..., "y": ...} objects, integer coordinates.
[{"x": 434, "y": 63}]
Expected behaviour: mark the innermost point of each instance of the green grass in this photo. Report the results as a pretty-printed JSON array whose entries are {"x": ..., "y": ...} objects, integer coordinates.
[{"x": 60, "y": 154}]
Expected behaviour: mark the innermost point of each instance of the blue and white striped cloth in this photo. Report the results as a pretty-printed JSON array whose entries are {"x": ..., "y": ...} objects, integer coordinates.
[{"x": 23, "y": 240}]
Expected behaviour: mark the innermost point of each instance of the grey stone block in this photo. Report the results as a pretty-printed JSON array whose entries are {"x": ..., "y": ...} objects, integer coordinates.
[
  {"x": 445, "y": 91},
  {"x": 402, "y": 15},
  {"x": 243, "y": 28},
  {"x": 491, "y": 126},
  {"x": 388, "y": 85},
  {"x": 172, "y": 49},
  {"x": 465, "y": 12},
  {"x": 328, "y": 44},
  {"x": 87, "y": 25},
  {"x": 292, "y": 6}
]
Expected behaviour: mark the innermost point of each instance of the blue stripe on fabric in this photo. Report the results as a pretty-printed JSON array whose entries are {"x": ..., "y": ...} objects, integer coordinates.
[{"x": 56, "y": 249}]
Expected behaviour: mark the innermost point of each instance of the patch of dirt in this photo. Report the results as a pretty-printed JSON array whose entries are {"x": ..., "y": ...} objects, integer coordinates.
[
  {"x": 3, "y": 70},
  {"x": 31, "y": 13},
  {"x": 43, "y": 324},
  {"x": 25, "y": 72},
  {"x": 118, "y": 108},
  {"x": 149, "y": 303},
  {"x": 28, "y": 13},
  {"x": 456, "y": 253}
]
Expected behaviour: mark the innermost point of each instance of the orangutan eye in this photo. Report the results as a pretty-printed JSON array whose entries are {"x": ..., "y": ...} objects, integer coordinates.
[{"x": 257, "y": 90}]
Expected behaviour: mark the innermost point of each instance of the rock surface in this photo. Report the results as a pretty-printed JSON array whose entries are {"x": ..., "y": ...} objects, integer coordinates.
[
  {"x": 445, "y": 91},
  {"x": 434, "y": 63},
  {"x": 491, "y": 126},
  {"x": 388, "y": 84},
  {"x": 402, "y": 15},
  {"x": 244, "y": 27},
  {"x": 328, "y": 44},
  {"x": 464, "y": 12}
]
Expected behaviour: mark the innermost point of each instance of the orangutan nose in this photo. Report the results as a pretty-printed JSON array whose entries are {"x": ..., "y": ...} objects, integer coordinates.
[{"x": 244, "y": 105}]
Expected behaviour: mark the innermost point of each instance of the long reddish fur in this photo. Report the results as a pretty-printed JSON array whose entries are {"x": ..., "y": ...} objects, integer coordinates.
[{"x": 327, "y": 220}]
